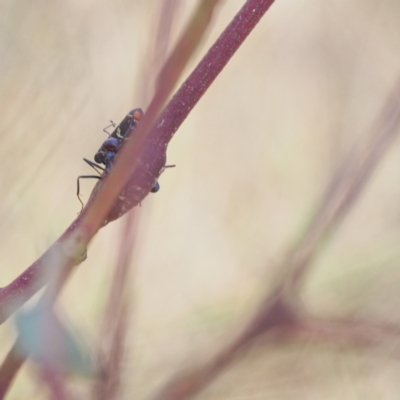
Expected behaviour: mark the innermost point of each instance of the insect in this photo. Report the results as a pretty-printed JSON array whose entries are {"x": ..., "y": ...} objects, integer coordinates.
[{"x": 110, "y": 147}]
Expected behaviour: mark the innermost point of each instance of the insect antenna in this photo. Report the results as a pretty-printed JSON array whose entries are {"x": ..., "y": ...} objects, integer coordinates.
[{"x": 109, "y": 126}]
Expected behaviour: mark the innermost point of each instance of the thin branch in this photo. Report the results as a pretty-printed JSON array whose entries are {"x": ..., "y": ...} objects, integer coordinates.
[
  {"x": 10, "y": 367},
  {"x": 168, "y": 11},
  {"x": 277, "y": 310},
  {"x": 370, "y": 335},
  {"x": 360, "y": 334},
  {"x": 108, "y": 384},
  {"x": 56, "y": 384},
  {"x": 112, "y": 347},
  {"x": 70, "y": 248},
  {"x": 133, "y": 176},
  {"x": 273, "y": 314},
  {"x": 344, "y": 189}
]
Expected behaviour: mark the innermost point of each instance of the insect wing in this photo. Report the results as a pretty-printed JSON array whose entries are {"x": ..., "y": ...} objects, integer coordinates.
[{"x": 127, "y": 124}]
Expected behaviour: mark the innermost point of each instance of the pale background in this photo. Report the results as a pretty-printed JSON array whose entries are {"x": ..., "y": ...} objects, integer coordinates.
[{"x": 252, "y": 161}]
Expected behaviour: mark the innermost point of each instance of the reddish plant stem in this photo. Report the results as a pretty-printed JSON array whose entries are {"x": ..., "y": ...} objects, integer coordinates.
[
  {"x": 189, "y": 41},
  {"x": 87, "y": 224},
  {"x": 273, "y": 314},
  {"x": 151, "y": 140},
  {"x": 208, "y": 69},
  {"x": 167, "y": 15},
  {"x": 56, "y": 384},
  {"x": 10, "y": 367},
  {"x": 344, "y": 189},
  {"x": 29, "y": 282},
  {"x": 140, "y": 162},
  {"x": 58, "y": 259},
  {"x": 116, "y": 321},
  {"x": 366, "y": 334},
  {"x": 353, "y": 332}
]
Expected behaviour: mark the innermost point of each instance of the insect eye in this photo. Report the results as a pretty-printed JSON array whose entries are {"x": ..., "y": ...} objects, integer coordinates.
[
  {"x": 137, "y": 115},
  {"x": 99, "y": 158}
]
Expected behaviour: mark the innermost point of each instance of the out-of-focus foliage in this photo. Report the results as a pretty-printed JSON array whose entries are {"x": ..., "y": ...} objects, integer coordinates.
[{"x": 54, "y": 346}]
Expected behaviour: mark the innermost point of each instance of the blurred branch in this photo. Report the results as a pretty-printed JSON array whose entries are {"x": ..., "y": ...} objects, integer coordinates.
[
  {"x": 344, "y": 189},
  {"x": 56, "y": 384},
  {"x": 273, "y": 314},
  {"x": 365, "y": 334},
  {"x": 371, "y": 335},
  {"x": 56, "y": 263},
  {"x": 10, "y": 367},
  {"x": 279, "y": 310},
  {"x": 187, "y": 44},
  {"x": 108, "y": 382},
  {"x": 112, "y": 347},
  {"x": 157, "y": 54},
  {"x": 115, "y": 321}
]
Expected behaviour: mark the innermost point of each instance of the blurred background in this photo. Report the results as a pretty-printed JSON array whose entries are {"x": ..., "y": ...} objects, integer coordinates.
[{"x": 253, "y": 160}]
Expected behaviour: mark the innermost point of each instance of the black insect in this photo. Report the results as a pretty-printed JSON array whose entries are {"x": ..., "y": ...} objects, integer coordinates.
[{"x": 110, "y": 147}]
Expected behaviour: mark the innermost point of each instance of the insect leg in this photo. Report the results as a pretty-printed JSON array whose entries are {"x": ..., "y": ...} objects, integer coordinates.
[
  {"x": 166, "y": 166},
  {"x": 155, "y": 188},
  {"x": 94, "y": 165},
  {"x": 78, "y": 186},
  {"x": 109, "y": 126}
]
